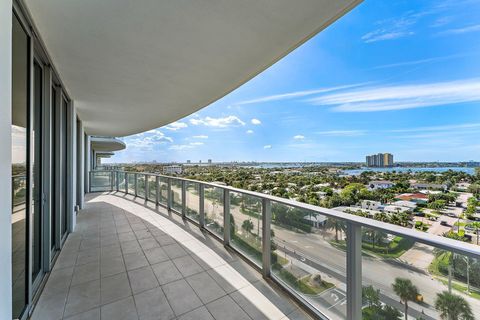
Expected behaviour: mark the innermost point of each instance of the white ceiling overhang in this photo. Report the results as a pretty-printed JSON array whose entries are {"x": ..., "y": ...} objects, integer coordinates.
[
  {"x": 134, "y": 65},
  {"x": 105, "y": 145}
]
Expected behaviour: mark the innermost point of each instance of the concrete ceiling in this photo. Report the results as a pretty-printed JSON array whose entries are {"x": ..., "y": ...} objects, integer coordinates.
[
  {"x": 131, "y": 66},
  {"x": 106, "y": 144}
]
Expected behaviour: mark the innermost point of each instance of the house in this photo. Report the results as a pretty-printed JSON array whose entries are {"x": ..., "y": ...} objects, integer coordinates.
[
  {"x": 429, "y": 186},
  {"x": 407, "y": 204},
  {"x": 394, "y": 209},
  {"x": 371, "y": 205},
  {"x": 383, "y": 184},
  {"x": 317, "y": 221},
  {"x": 414, "y": 197}
]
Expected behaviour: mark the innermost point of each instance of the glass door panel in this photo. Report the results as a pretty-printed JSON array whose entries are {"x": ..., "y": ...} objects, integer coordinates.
[
  {"x": 36, "y": 165},
  {"x": 20, "y": 100}
]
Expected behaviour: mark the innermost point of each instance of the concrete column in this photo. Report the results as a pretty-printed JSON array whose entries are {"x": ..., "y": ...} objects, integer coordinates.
[
  {"x": 71, "y": 166},
  {"x": 87, "y": 164},
  {"x": 6, "y": 159},
  {"x": 81, "y": 165}
]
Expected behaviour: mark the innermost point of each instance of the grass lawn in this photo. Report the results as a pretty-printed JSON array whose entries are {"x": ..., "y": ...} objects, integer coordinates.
[
  {"x": 302, "y": 285},
  {"x": 396, "y": 248},
  {"x": 462, "y": 288}
]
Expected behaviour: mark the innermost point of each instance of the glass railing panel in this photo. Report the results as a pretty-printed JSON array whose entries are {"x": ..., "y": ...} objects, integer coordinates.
[
  {"x": 307, "y": 259},
  {"x": 121, "y": 181},
  {"x": 192, "y": 200},
  {"x": 100, "y": 181},
  {"x": 141, "y": 185},
  {"x": 395, "y": 265},
  {"x": 177, "y": 195},
  {"x": 213, "y": 206},
  {"x": 246, "y": 225},
  {"x": 131, "y": 183},
  {"x": 163, "y": 194},
  {"x": 151, "y": 181}
]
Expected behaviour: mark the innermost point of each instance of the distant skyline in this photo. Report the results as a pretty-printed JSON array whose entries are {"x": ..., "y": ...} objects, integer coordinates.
[{"x": 391, "y": 76}]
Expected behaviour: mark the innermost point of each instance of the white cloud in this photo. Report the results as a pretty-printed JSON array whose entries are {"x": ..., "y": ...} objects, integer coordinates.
[
  {"x": 218, "y": 122},
  {"x": 180, "y": 147},
  {"x": 268, "y": 146},
  {"x": 420, "y": 61},
  {"x": 394, "y": 28},
  {"x": 400, "y": 97},
  {"x": 448, "y": 128},
  {"x": 472, "y": 28},
  {"x": 249, "y": 131},
  {"x": 256, "y": 122},
  {"x": 299, "y": 137},
  {"x": 296, "y": 94},
  {"x": 174, "y": 126},
  {"x": 202, "y": 136},
  {"x": 342, "y": 133},
  {"x": 186, "y": 146}
]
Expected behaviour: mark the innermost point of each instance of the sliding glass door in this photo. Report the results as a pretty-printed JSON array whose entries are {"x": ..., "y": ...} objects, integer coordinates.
[{"x": 20, "y": 179}]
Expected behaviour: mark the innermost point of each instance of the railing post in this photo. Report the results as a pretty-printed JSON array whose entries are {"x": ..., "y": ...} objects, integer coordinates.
[
  {"x": 226, "y": 217},
  {"x": 126, "y": 183},
  {"x": 117, "y": 181},
  {"x": 184, "y": 200},
  {"x": 157, "y": 190},
  {"x": 136, "y": 184},
  {"x": 169, "y": 194},
  {"x": 90, "y": 184},
  {"x": 201, "y": 206},
  {"x": 266, "y": 237},
  {"x": 111, "y": 180},
  {"x": 354, "y": 271},
  {"x": 147, "y": 187}
]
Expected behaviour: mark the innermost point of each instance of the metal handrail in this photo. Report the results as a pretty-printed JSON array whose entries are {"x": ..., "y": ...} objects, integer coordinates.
[{"x": 429, "y": 239}]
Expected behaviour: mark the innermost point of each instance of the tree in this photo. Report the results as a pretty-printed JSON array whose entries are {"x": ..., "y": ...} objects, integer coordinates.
[
  {"x": 371, "y": 296},
  {"x": 247, "y": 225},
  {"x": 453, "y": 307},
  {"x": 406, "y": 291},
  {"x": 337, "y": 225}
]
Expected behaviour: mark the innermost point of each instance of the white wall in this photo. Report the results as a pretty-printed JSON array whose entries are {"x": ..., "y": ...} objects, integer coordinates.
[{"x": 5, "y": 159}]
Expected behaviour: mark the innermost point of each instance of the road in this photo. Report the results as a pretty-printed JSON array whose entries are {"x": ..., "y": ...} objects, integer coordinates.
[{"x": 321, "y": 255}]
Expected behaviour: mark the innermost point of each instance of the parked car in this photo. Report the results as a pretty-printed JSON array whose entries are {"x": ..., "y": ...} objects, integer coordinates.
[{"x": 444, "y": 223}]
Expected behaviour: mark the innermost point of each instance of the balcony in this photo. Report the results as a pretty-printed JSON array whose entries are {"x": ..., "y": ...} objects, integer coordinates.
[
  {"x": 325, "y": 268},
  {"x": 129, "y": 260}
]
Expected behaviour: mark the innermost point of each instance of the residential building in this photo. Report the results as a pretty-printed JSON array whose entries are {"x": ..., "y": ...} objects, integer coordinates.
[
  {"x": 379, "y": 160},
  {"x": 382, "y": 184},
  {"x": 414, "y": 197},
  {"x": 429, "y": 186},
  {"x": 174, "y": 169},
  {"x": 371, "y": 205}
]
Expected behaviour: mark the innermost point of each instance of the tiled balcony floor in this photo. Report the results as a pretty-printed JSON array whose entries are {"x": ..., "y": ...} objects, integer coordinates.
[{"x": 128, "y": 260}]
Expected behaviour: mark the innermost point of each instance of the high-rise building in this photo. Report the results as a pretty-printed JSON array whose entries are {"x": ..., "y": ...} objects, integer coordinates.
[{"x": 379, "y": 160}]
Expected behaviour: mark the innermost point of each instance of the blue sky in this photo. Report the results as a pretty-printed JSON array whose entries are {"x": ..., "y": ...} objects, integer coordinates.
[{"x": 390, "y": 76}]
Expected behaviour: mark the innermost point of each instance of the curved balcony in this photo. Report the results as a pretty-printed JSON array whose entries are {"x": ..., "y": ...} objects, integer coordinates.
[{"x": 323, "y": 266}]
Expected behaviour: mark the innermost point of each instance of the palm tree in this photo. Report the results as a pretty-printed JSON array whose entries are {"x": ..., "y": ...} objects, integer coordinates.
[
  {"x": 247, "y": 225},
  {"x": 476, "y": 226},
  {"x": 405, "y": 289},
  {"x": 453, "y": 307},
  {"x": 337, "y": 225}
]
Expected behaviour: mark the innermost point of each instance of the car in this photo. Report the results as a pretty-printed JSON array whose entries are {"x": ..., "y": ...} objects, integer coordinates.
[{"x": 444, "y": 223}]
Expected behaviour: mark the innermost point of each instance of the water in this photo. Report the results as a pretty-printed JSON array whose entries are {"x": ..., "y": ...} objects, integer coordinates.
[{"x": 468, "y": 170}]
